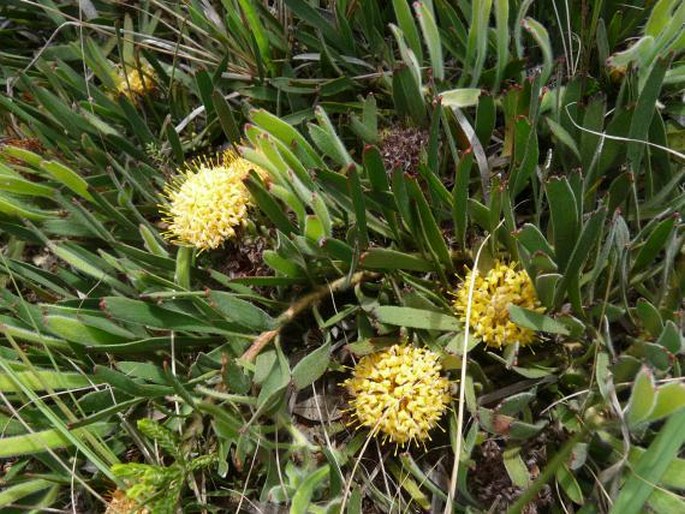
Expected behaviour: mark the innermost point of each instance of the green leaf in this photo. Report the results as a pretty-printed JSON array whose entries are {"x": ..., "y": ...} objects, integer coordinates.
[
  {"x": 564, "y": 218},
  {"x": 503, "y": 37},
  {"x": 465, "y": 97},
  {"x": 516, "y": 468},
  {"x": 288, "y": 135},
  {"x": 644, "y": 111},
  {"x": 43, "y": 380},
  {"x": 648, "y": 471},
  {"x": 226, "y": 118},
  {"x": 312, "y": 366},
  {"x": 541, "y": 36},
  {"x": 654, "y": 244},
  {"x": 460, "y": 195},
  {"x": 154, "y": 316},
  {"x": 38, "y": 442},
  {"x": 20, "y": 186},
  {"x": 355, "y": 191},
  {"x": 531, "y": 237},
  {"x": 670, "y": 338},
  {"x": 268, "y": 205},
  {"x": 431, "y": 37},
  {"x": 665, "y": 502},
  {"x": 17, "y": 208},
  {"x": 80, "y": 331},
  {"x": 379, "y": 258},
  {"x": 30, "y": 158},
  {"x": 12, "y": 494},
  {"x": 326, "y": 138},
  {"x": 68, "y": 177},
  {"x": 650, "y": 317},
  {"x": 670, "y": 398},
  {"x": 589, "y": 238},
  {"x": 304, "y": 492},
  {"x": 87, "y": 263},
  {"x": 433, "y": 234},
  {"x": 410, "y": 317},
  {"x": 569, "y": 484},
  {"x": 275, "y": 382},
  {"x": 406, "y": 22},
  {"x": 257, "y": 30},
  {"x": 408, "y": 56},
  {"x": 536, "y": 320},
  {"x": 407, "y": 96},
  {"x": 562, "y": 135},
  {"x": 477, "y": 44},
  {"x": 642, "y": 398},
  {"x": 239, "y": 311}
]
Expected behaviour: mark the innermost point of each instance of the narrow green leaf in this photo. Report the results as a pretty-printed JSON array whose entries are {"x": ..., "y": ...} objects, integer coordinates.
[
  {"x": 38, "y": 442},
  {"x": 433, "y": 234},
  {"x": 42, "y": 380},
  {"x": 312, "y": 366},
  {"x": 562, "y": 135},
  {"x": 464, "y": 97},
  {"x": 416, "y": 318},
  {"x": 502, "y": 38},
  {"x": 536, "y": 320},
  {"x": 380, "y": 258},
  {"x": 670, "y": 398},
  {"x": 154, "y": 316},
  {"x": 569, "y": 484},
  {"x": 67, "y": 177},
  {"x": 650, "y": 317},
  {"x": 268, "y": 205},
  {"x": 406, "y": 22},
  {"x": 240, "y": 311},
  {"x": 304, "y": 492},
  {"x": 516, "y": 468},
  {"x": 460, "y": 195},
  {"x": 642, "y": 398},
  {"x": 654, "y": 244},
  {"x": 564, "y": 218},
  {"x": 226, "y": 118},
  {"x": 17, "y": 208},
  {"x": 14, "y": 493},
  {"x": 649, "y": 470},
  {"x": 432, "y": 38},
  {"x": 644, "y": 111},
  {"x": 541, "y": 36},
  {"x": 355, "y": 191}
]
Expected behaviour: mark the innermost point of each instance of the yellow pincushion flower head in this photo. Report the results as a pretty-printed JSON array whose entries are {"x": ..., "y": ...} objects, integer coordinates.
[
  {"x": 208, "y": 201},
  {"x": 493, "y": 292},
  {"x": 135, "y": 81},
  {"x": 399, "y": 392}
]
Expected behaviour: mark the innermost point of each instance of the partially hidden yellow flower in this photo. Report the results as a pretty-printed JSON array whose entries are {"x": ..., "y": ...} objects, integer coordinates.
[
  {"x": 135, "y": 81},
  {"x": 208, "y": 201},
  {"x": 500, "y": 287},
  {"x": 120, "y": 503},
  {"x": 399, "y": 392}
]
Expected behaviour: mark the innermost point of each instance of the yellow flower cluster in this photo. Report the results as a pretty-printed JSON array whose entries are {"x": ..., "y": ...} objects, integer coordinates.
[
  {"x": 502, "y": 286},
  {"x": 208, "y": 201},
  {"x": 133, "y": 81},
  {"x": 399, "y": 392}
]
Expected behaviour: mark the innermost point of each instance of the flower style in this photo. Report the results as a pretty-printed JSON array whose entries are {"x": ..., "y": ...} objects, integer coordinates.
[
  {"x": 502, "y": 286},
  {"x": 208, "y": 201},
  {"x": 133, "y": 81},
  {"x": 399, "y": 392}
]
